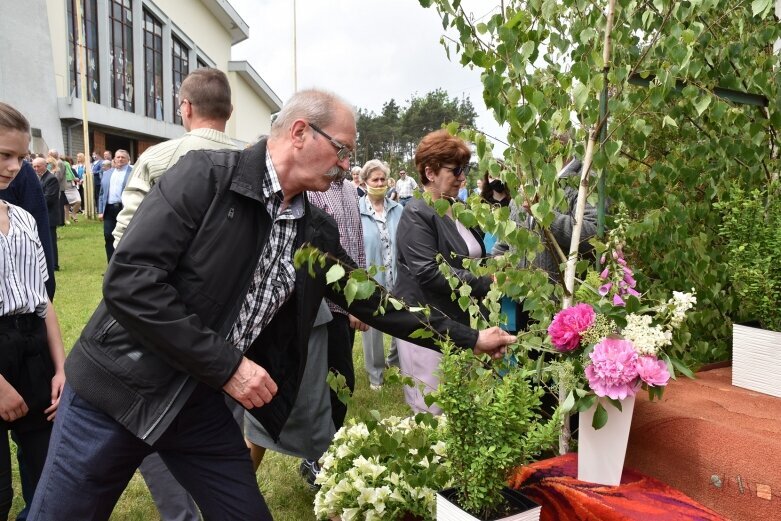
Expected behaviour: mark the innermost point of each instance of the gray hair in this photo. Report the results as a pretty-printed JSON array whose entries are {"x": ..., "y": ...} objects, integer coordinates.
[
  {"x": 371, "y": 166},
  {"x": 313, "y": 105}
]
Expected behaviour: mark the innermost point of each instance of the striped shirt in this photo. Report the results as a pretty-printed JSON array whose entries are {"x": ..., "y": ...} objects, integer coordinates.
[
  {"x": 340, "y": 201},
  {"x": 22, "y": 266},
  {"x": 274, "y": 277}
]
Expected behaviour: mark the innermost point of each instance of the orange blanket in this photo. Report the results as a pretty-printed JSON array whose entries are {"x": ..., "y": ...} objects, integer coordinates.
[{"x": 552, "y": 483}]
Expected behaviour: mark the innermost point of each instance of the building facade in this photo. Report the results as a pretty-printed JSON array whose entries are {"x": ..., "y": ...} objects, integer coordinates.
[{"x": 137, "y": 54}]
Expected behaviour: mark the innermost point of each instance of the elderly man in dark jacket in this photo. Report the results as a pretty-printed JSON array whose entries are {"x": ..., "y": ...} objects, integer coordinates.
[{"x": 201, "y": 297}]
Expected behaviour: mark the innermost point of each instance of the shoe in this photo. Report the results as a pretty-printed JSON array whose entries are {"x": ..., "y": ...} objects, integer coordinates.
[
  {"x": 375, "y": 387},
  {"x": 67, "y": 223},
  {"x": 309, "y": 471}
]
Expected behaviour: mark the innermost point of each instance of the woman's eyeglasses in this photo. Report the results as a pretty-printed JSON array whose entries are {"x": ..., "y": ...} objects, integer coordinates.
[{"x": 458, "y": 170}]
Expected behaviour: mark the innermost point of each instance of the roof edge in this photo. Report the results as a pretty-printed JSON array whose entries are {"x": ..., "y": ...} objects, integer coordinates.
[{"x": 245, "y": 70}]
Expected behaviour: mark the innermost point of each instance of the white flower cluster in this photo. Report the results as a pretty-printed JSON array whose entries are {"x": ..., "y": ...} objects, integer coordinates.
[
  {"x": 681, "y": 303},
  {"x": 356, "y": 485},
  {"x": 648, "y": 339}
]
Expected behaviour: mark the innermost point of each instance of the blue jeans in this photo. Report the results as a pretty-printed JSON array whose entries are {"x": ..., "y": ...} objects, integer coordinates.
[{"x": 92, "y": 458}]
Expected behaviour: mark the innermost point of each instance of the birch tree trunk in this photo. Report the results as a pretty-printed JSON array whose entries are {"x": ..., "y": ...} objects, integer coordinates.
[{"x": 580, "y": 209}]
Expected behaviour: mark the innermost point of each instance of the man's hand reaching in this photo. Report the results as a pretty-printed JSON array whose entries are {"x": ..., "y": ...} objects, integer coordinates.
[{"x": 493, "y": 341}]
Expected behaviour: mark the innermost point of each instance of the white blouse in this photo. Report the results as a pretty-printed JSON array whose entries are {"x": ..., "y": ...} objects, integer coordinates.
[{"x": 22, "y": 266}]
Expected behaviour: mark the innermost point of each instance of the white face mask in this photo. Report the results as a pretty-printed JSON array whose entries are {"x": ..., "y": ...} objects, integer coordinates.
[{"x": 377, "y": 192}]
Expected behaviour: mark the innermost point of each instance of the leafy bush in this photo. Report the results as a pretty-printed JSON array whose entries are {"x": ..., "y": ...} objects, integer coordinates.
[
  {"x": 752, "y": 229},
  {"x": 492, "y": 426}
]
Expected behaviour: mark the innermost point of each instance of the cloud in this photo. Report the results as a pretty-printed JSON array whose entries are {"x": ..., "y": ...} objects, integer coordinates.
[{"x": 367, "y": 51}]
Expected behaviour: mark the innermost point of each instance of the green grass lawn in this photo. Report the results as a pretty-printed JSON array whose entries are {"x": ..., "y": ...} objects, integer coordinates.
[{"x": 82, "y": 264}]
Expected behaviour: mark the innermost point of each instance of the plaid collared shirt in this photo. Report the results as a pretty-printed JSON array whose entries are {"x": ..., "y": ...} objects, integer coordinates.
[
  {"x": 274, "y": 278},
  {"x": 340, "y": 201}
]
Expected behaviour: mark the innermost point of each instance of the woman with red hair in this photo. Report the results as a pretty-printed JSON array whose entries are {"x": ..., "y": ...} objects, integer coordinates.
[{"x": 442, "y": 161}]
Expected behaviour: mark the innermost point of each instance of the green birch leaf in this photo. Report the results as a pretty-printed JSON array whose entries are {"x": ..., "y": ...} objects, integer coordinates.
[
  {"x": 669, "y": 121},
  {"x": 350, "y": 289},
  {"x": 580, "y": 95},
  {"x": 760, "y": 7},
  {"x": 335, "y": 273},
  {"x": 569, "y": 403},
  {"x": 702, "y": 104}
]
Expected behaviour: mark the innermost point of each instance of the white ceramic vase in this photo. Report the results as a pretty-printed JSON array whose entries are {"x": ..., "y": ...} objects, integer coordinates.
[{"x": 601, "y": 452}]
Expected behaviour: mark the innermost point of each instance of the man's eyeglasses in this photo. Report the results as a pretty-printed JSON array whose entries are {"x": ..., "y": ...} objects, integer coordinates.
[
  {"x": 458, "y": 170},
  {"x": 342, "y": 151},
  {"x": 179, "y": 110}
]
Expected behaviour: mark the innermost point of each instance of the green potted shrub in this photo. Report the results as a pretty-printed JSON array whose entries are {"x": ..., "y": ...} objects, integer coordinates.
[
  {"x": 493, "y": 425},
  {"x": 752, "y": 230}
]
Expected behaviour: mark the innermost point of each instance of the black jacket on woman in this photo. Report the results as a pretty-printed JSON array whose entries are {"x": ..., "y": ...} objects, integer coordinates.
[
  {"x": 174, "y": 287},
  {"x": 421, "y": 235}
]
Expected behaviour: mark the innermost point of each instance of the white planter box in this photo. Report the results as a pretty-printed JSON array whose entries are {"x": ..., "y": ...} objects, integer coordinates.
[
  {"x": 447, "y": 511},
  {"x": 756, "y": 360}
]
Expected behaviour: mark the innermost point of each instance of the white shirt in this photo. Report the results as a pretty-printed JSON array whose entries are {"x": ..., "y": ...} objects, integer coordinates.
[
  {"x": 115, "y": 186},
  {"x": 22, "y": 266},
  {"x": 405, "y": 186}
]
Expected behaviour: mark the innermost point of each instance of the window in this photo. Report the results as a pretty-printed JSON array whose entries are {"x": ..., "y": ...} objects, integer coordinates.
[
  {"x": 153, "y": 66},
  {"x": 121, "y": 19},
  {"x": 201, "y": 64},
  {"x": 89, "y": 12},
  {"x": 181, "y": 67}
]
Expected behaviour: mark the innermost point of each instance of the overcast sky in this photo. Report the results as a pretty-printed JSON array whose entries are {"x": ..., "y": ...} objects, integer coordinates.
[{"x": 367, "y": 51}]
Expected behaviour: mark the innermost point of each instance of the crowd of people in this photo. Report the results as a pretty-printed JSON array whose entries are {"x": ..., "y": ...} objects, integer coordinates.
[{"x": 208, "y": 340}]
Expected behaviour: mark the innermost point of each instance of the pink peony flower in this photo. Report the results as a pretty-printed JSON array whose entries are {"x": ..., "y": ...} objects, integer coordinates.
[
  {"x": 568, "y": 324},
  {"x": 652, "y": 371},
  {"x": 613, "y": 369}
]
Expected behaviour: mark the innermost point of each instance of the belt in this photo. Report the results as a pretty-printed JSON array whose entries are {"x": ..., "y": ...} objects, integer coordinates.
[
  {"x": 405, "y": 197},
  {"x": 114, "y": 205},
  {"x": 22, "y": 322}
]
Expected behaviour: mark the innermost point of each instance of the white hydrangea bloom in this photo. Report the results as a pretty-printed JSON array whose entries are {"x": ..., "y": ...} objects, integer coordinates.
[
  {"x": 646, "y": 338},
  {"x": 681, "y": 303}
]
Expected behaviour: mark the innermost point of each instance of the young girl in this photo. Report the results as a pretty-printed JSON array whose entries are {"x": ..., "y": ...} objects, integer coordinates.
[{"x": 31, "y": 351}]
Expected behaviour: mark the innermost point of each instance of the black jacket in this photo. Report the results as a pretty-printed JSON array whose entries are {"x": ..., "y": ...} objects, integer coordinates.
[
  {"x": 421, "y": 235},
  {"x": 174, "y": 288},
  {"x": 51, "y": 193}
]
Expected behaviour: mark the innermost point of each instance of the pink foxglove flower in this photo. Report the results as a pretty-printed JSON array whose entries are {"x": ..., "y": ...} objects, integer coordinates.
[
  {"x": 569, "y": 324},
  {"x": 613, "y": 369},
  {"x": 618, "y": 301},
  {"x": 652, "y": 371},
  {"x": 604, "y": 289}
]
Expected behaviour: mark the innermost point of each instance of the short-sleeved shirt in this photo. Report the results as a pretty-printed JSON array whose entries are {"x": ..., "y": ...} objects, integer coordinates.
[{"x": 405, "y": 186}]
